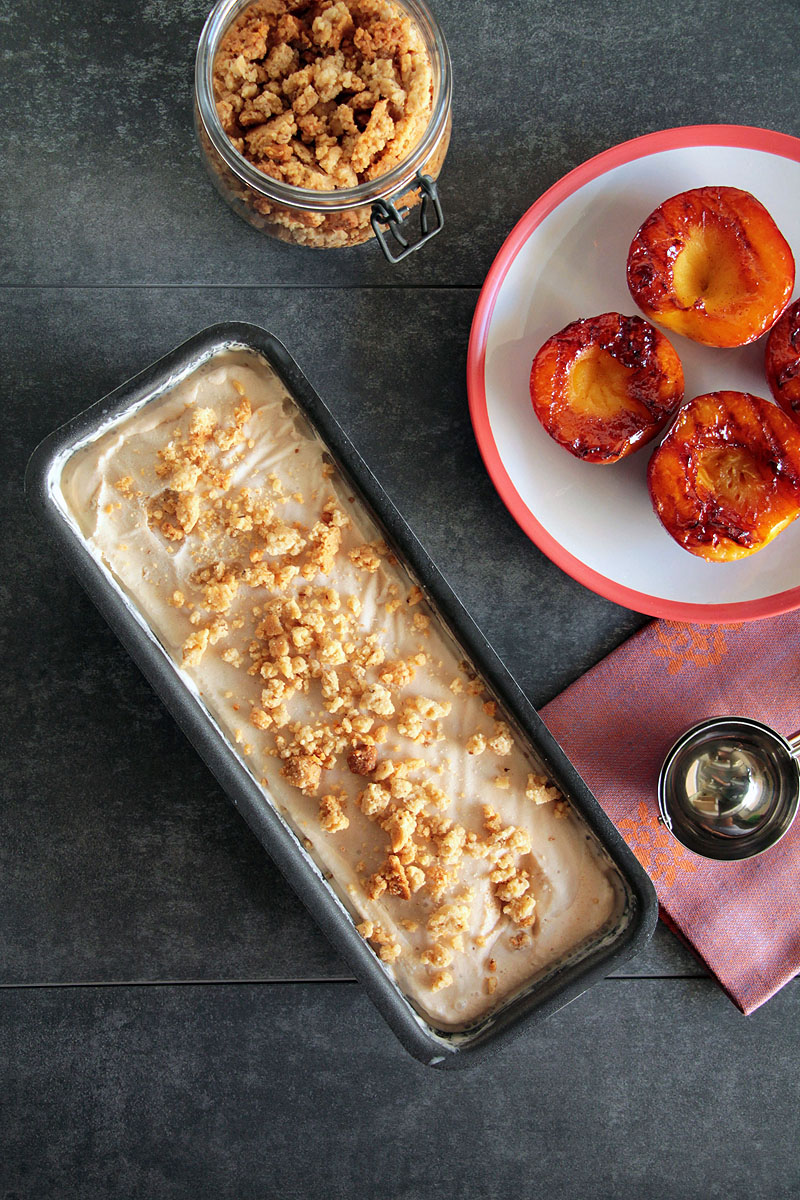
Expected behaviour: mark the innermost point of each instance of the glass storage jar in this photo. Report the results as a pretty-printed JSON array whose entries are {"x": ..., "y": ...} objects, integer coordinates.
[{"x": 345, "y": 216}]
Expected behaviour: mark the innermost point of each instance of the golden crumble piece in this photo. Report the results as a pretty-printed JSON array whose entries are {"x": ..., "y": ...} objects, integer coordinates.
[
  {"x": 435, "y": 795},
  {"x": 440, "y": 981},
  {"x": 260, "y": 718},
  {"x": 476, "y": 744},
  {"x": 436, "y": 955},
  {"x": 194, "y": 647},
  {"x": 521, "y": 910},
  {"x": 329, "y": 599},
  {"x": 398, "y": 674},
  {"x": 394, "y": 873},
  {"x": 450, "y": 919},
  {"x": 366, "y": 557},
  {"x": 360, "y": 723},
  {"x": 324, "y": 541},
  {"x": 362, "y": 759},
  {"x": 400, "y": 788},
  {"x": 177, "y": 599},
  {"x": 202, "y": 424},
  {"x": 369, "y": 654},
  {"x": 400, "y": 827},
  {"x": 416, "y": 877},
  {"x": 512, "y": 888},
  {"x": 302, "y": 637},
  {"x": 492, "y": 821},
  {"x": 217, "y": 630},
  {"x": 450, "y": 845},
  {"x": 172, "y": 532},
  {"x": 491, "y": 984},
  {"x": 330, "y": 689},
  {"x": 537, "y": 790},
  {"x": 421, "y": 622},
  {"x": 124, "y": 486},
  {"x": 374, "y": 800},
  {"x": 457, "y": 686},
  {"x": 332, "y": 653},
  {"x": 375, "y": 886},
  {"x": 377, "y": 699},
  {"x": 415, "y": 596},
  {"x": 226, "y": 439},
  {"x": 332, "y": 25},
  {"x": 417, "y": 710},
  {"x": 379, "y": 130},
  {"x": 384, "y": 769},
  {"x": 561, "y": 810},
  {"x": 187, "y": 511},
  {"x": 274, "y": 694},
  {"x": 332, "y": 816},
  {"x": 302, "y": 771},
  {"x": 366, "y": 929},
  {"x": 390, "y": 953},
  {"x": 501, "y": 743},
  {"x": 440, "y": 879},
  {"x": 502, "y": 781}
]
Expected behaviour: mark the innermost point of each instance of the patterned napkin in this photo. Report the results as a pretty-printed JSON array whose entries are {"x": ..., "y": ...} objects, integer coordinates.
[{"x": 617, "y": 723}]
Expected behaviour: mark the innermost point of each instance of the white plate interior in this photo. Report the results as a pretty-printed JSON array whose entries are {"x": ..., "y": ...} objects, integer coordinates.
[{"x": 573, "y": 265}]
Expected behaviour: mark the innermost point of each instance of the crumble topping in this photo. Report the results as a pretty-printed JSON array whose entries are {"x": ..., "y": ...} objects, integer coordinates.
[
  {"x": 303, "y": 637},
  {"x": 323, "y": 95}
]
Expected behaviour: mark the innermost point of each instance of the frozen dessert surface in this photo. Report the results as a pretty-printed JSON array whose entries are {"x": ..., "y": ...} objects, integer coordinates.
[{"x": 221, "y": 516}]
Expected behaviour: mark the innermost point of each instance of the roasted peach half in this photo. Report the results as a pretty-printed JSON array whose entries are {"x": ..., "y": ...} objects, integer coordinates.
[
  {"x": 604, "y": 385},
  {"x": 782, "y": 361},
  {"x": 711, "y": 264},
  {"x": 726, "y": 479}
]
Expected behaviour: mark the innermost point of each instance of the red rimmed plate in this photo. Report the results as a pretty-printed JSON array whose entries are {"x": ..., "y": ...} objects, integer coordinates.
[{"x": 566, "y": 259}]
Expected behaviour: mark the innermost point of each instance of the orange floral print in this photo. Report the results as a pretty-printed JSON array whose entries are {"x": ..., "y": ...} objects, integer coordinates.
[
  {"x": 700, "y": 645},
  {"x": 655, "y": 847}
]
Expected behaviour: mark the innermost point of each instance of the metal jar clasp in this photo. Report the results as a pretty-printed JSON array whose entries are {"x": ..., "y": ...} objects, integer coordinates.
[{"x": 388, "y": 219}]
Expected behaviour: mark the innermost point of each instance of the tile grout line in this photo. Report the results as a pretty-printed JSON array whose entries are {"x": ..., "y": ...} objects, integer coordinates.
[
  {"x": 241, "y": 287},
  {"x": 336, "y": 979}
]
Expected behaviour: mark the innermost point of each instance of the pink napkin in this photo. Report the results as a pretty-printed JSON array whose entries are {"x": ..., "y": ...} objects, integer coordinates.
[{"x": 617, "y": 723}]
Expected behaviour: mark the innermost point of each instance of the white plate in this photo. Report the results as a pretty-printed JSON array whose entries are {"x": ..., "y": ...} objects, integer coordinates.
[{"x": 566, "y": 259}]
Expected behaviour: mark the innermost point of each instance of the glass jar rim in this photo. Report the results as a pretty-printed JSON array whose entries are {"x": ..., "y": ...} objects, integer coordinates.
[{"x": 394, "y": 181}]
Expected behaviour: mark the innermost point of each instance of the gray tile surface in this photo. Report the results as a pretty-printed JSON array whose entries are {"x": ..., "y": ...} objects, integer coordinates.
[
  {"x": 632, "y": 1091},
  {"x": 119, "y": 857},
  {"x": 104, "y": 185}
]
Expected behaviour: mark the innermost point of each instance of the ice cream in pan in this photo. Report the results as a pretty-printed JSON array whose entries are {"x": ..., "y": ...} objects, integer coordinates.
[{"x": 217, "y": 510}]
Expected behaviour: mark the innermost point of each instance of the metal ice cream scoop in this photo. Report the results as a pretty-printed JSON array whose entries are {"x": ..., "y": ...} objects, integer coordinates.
[{"x": 729, "y": 787}]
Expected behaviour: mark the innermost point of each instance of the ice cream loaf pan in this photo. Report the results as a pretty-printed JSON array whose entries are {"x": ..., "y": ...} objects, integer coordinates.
[{"x": 637, "y": 910}]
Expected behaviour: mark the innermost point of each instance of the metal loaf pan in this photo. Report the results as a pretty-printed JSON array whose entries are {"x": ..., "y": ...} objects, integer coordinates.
[{"x": 560, "y": 985}]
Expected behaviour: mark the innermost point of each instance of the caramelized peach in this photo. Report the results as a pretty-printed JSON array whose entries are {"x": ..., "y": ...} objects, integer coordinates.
[
  {"x": 604, "y": 385},
  {"x": 782, "y": 361},
  {"x": 711, "y": 264},
  {"x": 726, "y": 479}
]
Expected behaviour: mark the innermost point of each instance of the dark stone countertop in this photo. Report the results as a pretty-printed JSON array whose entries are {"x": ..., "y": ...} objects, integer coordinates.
[{"x": 172, "y": 1023}]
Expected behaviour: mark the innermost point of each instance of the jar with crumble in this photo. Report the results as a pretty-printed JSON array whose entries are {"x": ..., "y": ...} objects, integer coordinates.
[{"x": 326, "y": 122}]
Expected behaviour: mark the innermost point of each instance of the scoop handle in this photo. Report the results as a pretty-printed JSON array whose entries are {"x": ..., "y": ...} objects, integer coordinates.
[{"x": 794, "y": 741}]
